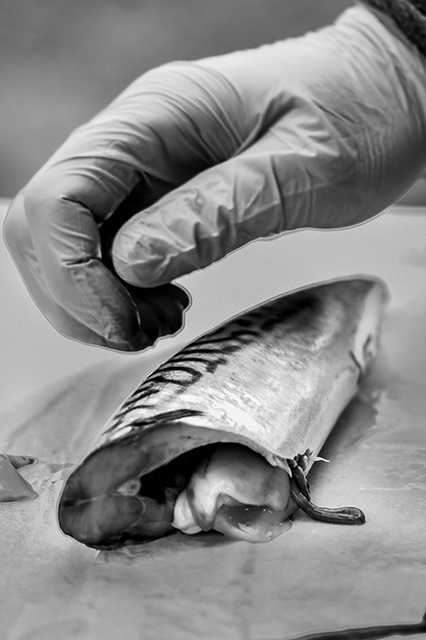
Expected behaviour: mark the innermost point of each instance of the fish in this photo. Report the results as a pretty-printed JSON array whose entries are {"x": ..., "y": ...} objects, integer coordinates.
[
  {"x": 13, "y": 487},
  {"x": 223, "y": 434}
]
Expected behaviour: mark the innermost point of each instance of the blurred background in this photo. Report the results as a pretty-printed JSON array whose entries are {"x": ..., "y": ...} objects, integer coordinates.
[{"x": 61, "y": 61}]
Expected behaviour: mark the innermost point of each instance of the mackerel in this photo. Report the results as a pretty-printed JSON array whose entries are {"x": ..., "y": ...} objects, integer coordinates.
[{"x": 262, "y": 390}]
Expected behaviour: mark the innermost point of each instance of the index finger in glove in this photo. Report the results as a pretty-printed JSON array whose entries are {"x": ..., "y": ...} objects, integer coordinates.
[
  {"x": 147, "y": 141},
  {"x": 20, "y": 245},
  {"x": 91, "y": 305}
]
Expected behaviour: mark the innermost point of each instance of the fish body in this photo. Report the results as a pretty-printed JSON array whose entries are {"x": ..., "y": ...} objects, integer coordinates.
[{"x": 274, "y": 380}]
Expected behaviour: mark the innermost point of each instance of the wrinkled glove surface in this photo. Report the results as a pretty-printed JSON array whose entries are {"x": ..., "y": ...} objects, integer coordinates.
[{"x": 196, "y": 159}]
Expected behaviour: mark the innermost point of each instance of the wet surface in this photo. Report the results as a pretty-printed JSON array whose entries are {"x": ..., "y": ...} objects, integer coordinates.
[{"x": 314, "y": 578}]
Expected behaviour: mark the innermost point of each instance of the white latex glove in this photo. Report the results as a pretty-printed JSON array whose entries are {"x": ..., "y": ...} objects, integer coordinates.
[{"x": 194, "y": 160}]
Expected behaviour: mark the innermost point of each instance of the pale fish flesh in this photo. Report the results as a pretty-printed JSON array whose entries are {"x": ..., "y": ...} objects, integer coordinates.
[{"x": 222, "y": 435}]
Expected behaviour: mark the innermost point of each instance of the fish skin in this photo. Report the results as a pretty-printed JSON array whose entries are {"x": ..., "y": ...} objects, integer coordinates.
[{"x": 275, "y": 379}]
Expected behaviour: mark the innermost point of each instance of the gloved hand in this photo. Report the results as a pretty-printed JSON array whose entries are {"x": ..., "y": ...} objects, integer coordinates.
[{"x": 194, "y": 160}]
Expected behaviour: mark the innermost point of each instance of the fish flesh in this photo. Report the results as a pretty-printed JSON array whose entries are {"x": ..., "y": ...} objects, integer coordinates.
[{"x": 222, "y": 435}]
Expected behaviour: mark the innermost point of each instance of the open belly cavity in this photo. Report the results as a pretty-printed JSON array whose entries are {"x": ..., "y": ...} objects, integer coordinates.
[{"x": 237, "y": 492}]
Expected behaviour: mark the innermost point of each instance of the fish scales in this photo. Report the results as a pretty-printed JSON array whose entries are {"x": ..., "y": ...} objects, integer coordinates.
[
  {"x": 268, "y": 365},
  {"x": 274, "y": 379}
]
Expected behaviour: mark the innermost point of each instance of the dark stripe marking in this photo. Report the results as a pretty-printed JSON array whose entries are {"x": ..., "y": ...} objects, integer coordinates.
[{"x": 214, "y": 349}]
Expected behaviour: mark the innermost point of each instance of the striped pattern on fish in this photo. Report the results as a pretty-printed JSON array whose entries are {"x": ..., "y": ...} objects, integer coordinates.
[
  {"x": 206, "y": 355},
  {"x": 274, "y": 379}
]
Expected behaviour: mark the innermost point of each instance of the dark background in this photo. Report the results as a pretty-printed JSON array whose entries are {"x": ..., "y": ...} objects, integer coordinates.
[{"x": 61, "y": 61}]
